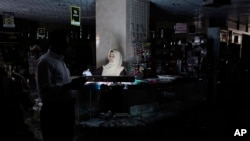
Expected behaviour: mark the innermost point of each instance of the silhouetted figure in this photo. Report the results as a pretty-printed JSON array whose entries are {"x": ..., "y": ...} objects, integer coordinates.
[
  {"x": 14, "y": 102},
  {"x": 57, "y": 115}
]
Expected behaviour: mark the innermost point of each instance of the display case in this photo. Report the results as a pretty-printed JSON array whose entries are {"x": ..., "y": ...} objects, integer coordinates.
[{"x": 101, "y": 95}]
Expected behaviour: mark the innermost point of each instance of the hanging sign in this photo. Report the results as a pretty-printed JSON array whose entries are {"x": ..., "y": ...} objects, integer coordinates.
[
  {"x": 181, "y": 28},
  {"x": 75, "y": 15},
  {"x": 8, "y": 19},
  {"x": 40, "y": 33}
]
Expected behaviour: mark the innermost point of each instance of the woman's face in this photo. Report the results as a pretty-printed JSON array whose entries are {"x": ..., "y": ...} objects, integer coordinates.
[{"x": 111, "y": 57}]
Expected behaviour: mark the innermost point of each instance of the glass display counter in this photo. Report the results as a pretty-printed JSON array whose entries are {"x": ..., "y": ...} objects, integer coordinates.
[{"x": 140, "y": 98}]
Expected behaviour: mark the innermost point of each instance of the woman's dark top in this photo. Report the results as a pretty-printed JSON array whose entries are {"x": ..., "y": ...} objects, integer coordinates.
[{"x": 98, "y": 71}]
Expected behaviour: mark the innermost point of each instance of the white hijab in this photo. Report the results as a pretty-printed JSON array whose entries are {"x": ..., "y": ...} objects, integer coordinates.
[{"x": 115, "y": 68}]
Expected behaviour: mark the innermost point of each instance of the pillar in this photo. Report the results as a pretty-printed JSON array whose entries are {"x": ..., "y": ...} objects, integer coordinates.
[{"x": 114, "y": 20}]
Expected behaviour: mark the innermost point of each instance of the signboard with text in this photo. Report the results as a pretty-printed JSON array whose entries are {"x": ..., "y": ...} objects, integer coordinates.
[
  {"x": 181, "y": 28},
  {"x": 40, "y": 33},
  {"x": 75, "y": 15},
  {"x": 8, "y": 19}
]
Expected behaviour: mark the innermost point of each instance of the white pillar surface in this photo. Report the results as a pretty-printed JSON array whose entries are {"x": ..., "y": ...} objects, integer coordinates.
[{"x": 111, "y": 28}]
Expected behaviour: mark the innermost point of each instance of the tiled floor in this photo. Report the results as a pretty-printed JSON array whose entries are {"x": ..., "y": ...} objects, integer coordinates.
[
  {"x": 182, "y": 126},
  {"x": 190, "y": 123},
  {"x": 191, "y": 120},
  {"x": 164, "y": 124}
]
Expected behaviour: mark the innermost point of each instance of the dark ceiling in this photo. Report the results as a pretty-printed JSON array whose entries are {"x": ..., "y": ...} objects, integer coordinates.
[
  {"x": 57, "y": 11},
  {"x": 229, "y": 10}
]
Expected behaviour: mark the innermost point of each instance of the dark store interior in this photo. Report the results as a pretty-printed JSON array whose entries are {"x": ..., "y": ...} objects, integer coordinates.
[{"x": 188, "y": 78}]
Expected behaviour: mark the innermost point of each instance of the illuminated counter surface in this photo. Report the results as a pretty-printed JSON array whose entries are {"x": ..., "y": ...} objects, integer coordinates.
[{"x": 161, "y": 79}]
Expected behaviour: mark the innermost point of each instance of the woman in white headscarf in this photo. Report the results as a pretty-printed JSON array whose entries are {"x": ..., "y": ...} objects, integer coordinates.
[{"x": 114, "y": 66}]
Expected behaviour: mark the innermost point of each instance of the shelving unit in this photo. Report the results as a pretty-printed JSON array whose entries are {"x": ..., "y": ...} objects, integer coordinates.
[{"x": 178, "y": 53}]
